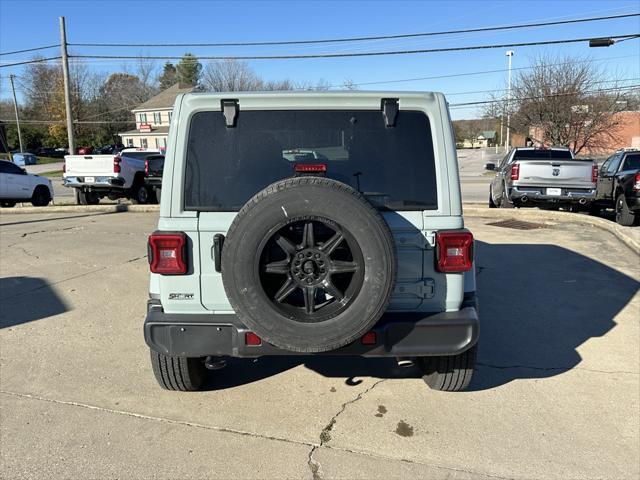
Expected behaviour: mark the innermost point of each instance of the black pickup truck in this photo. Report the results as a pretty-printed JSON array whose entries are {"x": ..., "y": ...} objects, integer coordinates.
[
  {"x": 619, "y": 186},
  {"x": 153, "y": 167}
]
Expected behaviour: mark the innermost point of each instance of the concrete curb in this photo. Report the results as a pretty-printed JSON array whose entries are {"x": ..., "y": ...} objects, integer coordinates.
[
  {"x": 624, "y": 234},
  {"x": 114, "y": 208}
]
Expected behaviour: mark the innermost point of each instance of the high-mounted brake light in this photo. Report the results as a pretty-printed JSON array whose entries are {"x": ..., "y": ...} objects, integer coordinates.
[
  {"x": 454, "y": 251},
  {"x": 636, "y": 185},
  {"x": 167, "y": 253},
  {"x": 594, "y": 173},
  {"x": 146, "y": 167},
  {"x": 116, "y": 164},
  {"x": 515, "y": 171},
  {"x": 310, "y": 167}
]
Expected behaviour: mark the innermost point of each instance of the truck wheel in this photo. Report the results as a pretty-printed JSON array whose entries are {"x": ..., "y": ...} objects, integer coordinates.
[
  {"x": 141, "y": 195},
  {"x": 491, "y": 202},
  {"x": 7, "y": 204},
  {"x": 88, "y": 198},
  {"x": 449, "y": 373},
  {"x": 294, "y": 269},
  {"x": 504, "y": 200},
  {"x": 624, "y": 216},
  {"x": 178, "y": 373},
  {"x": 41, "y": 196}
]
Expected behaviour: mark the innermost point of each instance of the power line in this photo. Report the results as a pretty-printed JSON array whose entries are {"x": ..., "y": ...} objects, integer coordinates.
[
  {"x": 36, "y": 60},
  {"x": 30, "y": 49},
  {"x": 483, "y": 72},
  {"x": 355, "y": 54},
  {"x": 541, "y": 97},
  {"x": 359, "y": 39}
]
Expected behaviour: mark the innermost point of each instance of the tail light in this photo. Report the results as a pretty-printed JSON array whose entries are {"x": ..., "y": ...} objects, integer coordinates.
[
  {"x": 636, "y": 185},
  {"x": 594, "y": 174},
  {"x": 146, "y": 167},
  {"x": 116, "y": 164},
  {"x": 167, "y": 253},
  {"x": 515, "y": 171},
  {"x": 252, "y": 339},
  {"x": 454, "y": 251}
]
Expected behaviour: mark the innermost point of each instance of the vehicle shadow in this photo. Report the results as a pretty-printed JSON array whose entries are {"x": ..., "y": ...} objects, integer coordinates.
[
  {"x": 26, "y": 299},
  {"x": 538, "y": 304}
]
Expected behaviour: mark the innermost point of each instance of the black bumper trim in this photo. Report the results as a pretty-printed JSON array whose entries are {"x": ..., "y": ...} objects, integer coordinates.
[{"x": 398, "y": 335}]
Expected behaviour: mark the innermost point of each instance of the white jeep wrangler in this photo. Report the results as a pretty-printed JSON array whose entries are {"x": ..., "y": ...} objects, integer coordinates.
[{"x": 356, "y": 246}]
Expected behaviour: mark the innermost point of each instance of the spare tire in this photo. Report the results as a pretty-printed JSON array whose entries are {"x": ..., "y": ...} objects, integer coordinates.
[{"x": 309, "y": 264}]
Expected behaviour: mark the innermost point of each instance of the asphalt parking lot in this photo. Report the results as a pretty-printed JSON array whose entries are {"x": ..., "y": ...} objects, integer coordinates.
[{"x": 556, "y": 394}]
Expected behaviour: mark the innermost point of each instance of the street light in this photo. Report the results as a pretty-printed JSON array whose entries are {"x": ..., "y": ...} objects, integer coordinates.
[{"x": 509, "y": 54}]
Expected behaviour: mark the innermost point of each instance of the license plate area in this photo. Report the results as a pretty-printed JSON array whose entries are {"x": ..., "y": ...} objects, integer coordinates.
[
  {"x": 554, "y": 191},
  {"x": 89, "y": 179}
]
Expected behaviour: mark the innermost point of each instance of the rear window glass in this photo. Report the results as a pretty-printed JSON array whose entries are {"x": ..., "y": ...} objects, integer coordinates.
[
  {"x": 393, "y": 167},
  {"x": 632, "y": 162},
  {"x": 543, "y": 154},
  {"x": 136, "y": 155}
]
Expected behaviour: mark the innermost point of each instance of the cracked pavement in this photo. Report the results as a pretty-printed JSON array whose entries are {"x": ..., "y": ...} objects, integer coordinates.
[{"x": 556, "y": 393}]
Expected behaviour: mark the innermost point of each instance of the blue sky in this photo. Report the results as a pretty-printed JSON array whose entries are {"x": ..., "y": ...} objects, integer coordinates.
[{"x": 26, "y": 24}]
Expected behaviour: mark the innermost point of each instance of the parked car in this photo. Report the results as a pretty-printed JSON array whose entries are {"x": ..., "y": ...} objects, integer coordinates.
[
  {"x": 113, "y": 176},
  {"x": 16, "y": 185},
  {"x": 619, "y": 186},
  {"x": 543, "y": 177},
  {"x": 24, "y": 159},
  {"x": 258, "y": 254},
  {"x": 49, "y": 152},
  {"x": 84, "y": 150},
  {"x": 153, "y": 167}
]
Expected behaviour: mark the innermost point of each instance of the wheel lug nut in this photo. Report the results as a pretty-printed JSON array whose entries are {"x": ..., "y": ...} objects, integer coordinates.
[
  {"x": 317, "y": 255},
  {"x": 301, "y": 255}
]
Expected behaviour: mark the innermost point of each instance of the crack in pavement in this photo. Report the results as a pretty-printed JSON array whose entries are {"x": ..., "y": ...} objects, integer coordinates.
[
  {"x": 325, "y": 436},
  {"x": 548, "y": 369},
  {"x": 75, "y": 227},
  {"x": 245, "y": 433}
]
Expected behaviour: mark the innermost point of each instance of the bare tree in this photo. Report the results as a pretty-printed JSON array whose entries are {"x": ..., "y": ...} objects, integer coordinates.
[
  {"x": 230, "y": 76},
  {"x": 567, "y": 101}
]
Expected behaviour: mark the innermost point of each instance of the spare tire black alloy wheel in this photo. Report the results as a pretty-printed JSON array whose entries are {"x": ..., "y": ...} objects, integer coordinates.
[
  {"x": 318, "y": 276},
  {"x": 309, "y": 264}
]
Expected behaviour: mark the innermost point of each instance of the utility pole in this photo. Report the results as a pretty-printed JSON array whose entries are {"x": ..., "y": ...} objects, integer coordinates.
[
  {"x": 507, "y": 142},
  {"x": 67, "y": 88},
  {"x": 15, "y": 107}
]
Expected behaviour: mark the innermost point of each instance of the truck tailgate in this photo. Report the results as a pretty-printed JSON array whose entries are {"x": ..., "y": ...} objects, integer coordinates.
[
  {"x": 93, "y": 165},
  {"x": 566, "y": 173}
]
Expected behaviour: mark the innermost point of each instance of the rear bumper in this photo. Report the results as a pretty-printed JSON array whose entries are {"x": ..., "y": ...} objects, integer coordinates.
[
  {"x": 100, "y": 182},
  {"x": 397, "y": 335},
  {"x": 155, "y": 182},
  {"x": 538, "y": 195}
]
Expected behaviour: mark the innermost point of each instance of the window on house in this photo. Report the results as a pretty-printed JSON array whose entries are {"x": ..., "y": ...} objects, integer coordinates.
[
  {"x": 170, "y": 117},
  {"x": 157, "y": 142},
  {"x": 143, "y": 118},
  {"x": 164, "y": 142},
  {"x": 157, "y": 118},
  {"x": 129, "y": 142},
  {"x": 144, "y": 143}
]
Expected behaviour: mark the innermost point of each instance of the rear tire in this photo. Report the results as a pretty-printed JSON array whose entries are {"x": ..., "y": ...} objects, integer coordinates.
[
  {"x": 449, "y": 373},
  {"x": 178, "y": 373},
  {"x": 88, "y": 198},
  {"x": 491, "y": 202},
  {"x": 504, "y": 201},
  {"x": 142, "y": 195},
  {"x": 41, "y": 196},
  {"x": 624, "y": 216}
]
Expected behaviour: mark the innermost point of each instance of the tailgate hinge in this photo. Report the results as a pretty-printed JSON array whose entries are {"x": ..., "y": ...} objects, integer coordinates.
[
  {"x": 230, "y": 109},
  {"x": 421, "y": 289}
]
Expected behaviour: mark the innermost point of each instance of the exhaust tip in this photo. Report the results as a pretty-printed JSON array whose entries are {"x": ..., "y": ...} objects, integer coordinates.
[
  {"x": 405, "y": 362},
  {"x": 582, "y": 201},
  {"x": 524, "y": 199}
]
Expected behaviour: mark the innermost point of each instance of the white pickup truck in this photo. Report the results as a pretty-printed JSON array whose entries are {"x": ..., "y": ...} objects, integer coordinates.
[
  {"x": 549, "y": 178},
  {"x": 113, "y": 176}
]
